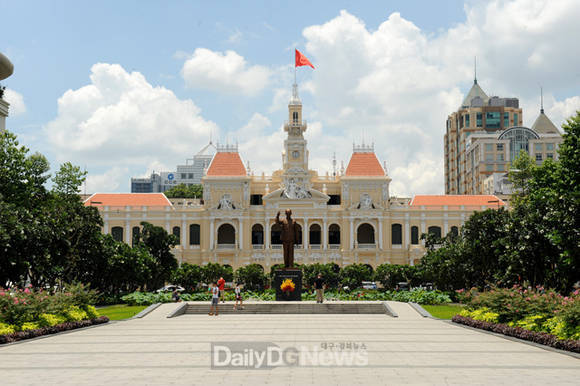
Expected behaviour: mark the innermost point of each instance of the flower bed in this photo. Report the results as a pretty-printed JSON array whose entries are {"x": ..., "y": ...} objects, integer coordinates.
[
  {"x": 521, "y": 333},
  {"x": 33, "y": 333},
  {"x": 29, "y": 313}
]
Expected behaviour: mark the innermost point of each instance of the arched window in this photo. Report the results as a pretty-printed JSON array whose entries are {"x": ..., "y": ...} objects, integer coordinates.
[
  {"x": 117, "y": 233},
  {"x": 334, "y": 234},
  {"x": 435, "y": 230},
  {"x": 194, "y": 234},
  {"x": 135, "y": 236},
  {"x": 454, "y": 231},
  {"x": 295, "y": 116},
  {"x": 177, "y": 233},
  {"x": 365, "y": 234},
  {"x": 414, "y": 235},
  {"x": 397, "y": 234},
  {"x": 257, "y": 234},
  {"x": 314, "y": 234},
  {"x": 226, "y": 234},
  {"x": 275, "y": 235}
]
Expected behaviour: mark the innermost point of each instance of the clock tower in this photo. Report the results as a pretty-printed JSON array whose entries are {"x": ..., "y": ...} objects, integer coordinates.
[{"x": 295, "y": 155}]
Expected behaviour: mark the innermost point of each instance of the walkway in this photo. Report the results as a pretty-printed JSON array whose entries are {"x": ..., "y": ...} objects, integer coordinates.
[{"x": 161, "y": 351}]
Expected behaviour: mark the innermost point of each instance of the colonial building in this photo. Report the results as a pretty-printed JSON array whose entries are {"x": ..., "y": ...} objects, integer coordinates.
[{"x": 345, "y": 218}]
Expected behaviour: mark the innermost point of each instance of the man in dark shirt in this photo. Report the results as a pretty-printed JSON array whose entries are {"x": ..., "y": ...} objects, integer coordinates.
[{"x": 319, "y": 287}]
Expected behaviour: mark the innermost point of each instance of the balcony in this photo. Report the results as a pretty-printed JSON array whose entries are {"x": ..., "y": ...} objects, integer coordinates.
[
  {"x": 276, "y": 246},
  {"x": 226, "y": 246},
  {"x": 334, "y": 246},
  {"x": 315, "y": 246},
  {"x": 367, "y": 246},
  {"x": 295, "y": 123},
  {"x": 257, "y": 246}
]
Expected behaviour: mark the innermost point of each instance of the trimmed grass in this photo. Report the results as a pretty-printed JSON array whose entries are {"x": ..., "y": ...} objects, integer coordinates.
[
  {"x": 443, "y": 311},
  {"x": 120, "y": 311}
]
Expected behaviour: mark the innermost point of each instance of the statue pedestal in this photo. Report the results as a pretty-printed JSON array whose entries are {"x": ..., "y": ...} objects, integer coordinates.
[{"x": 294, "y": 274}]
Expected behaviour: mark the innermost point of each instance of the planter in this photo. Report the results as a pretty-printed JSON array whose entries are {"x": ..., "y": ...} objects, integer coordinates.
[{"x": 21, "y": 335}]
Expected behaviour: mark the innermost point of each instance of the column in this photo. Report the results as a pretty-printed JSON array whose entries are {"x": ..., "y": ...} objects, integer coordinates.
[
  {"x": 380, "y": 233},
  {"x": 128, "y": 232},
  {"x": 325, "y": 234},
  {"x": 106, "y": 227},
  {"x": 241, "y": 238},
  {"x": 423, "y": 226},
  {"x": 407, "y": 230},
  {"x": 183, "y": 233},
  {"x": 266, "y": 234},
  {"x": 211, "y": 245},
  {"x": 305, "y": 233},
  {"x": 351, "y": 238},
  {"x": 445, "y": 225}
]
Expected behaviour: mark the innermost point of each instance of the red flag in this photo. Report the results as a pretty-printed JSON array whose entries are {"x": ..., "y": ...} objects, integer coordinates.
[{"x": 302, "y": 60}]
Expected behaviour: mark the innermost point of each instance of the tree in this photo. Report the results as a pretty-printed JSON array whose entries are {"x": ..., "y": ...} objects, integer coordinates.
[
  {"x": 159, "y": 243},
  {"x": 68, "y": 179},
  {"x": 389, "y": 275},
  {"x": 185, "y": 191},
  {"x": 188, "y": 276},
  {"x": 213, "y": 271},
  {"x": 330, "y": 274},
  {"x": 252, "y": 276},
  {"x": 353, "y": 275}
]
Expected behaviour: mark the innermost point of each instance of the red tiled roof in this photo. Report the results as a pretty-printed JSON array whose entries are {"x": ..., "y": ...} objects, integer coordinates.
[
  {"x": 364, "y": 164},
  {"x": 127, "y": 199},
  {"x": 456, "y": 200},
  {"x": 226, "y": 164}
]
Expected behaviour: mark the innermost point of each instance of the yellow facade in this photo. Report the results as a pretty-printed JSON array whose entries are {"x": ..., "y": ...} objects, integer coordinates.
[{"x": 347, "y": 218}]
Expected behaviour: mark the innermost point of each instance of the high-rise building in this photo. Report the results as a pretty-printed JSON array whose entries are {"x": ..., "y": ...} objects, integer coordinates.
[
  {"x": 485, "y": 135},
  {"x": 189, "y": 174}
]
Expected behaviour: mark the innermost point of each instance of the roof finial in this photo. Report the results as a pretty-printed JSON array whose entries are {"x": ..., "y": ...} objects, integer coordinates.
[
  {"x": 541, "y": 100},
  {"x": 475, "y": 70}
]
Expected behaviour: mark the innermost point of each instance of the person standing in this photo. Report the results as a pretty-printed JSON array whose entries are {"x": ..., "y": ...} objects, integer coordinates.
[
  {"x": 222, "y": 285},
  {"x": 238, "y": 292},
  {"x": 319, "y": 288},
  {"x": 288, "y": 236},
  {"x": 215, "y": 299}
]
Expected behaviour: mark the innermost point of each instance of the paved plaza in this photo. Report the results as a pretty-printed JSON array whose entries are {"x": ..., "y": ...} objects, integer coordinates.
[{"x": 156, "y": 350}]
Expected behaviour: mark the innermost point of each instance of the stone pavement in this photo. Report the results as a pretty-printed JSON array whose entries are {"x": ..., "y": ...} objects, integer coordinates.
[{"x": 161, "y": 351}]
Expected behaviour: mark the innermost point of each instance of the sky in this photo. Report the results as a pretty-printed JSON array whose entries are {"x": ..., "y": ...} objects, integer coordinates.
[{"x": 124, "y": 88}]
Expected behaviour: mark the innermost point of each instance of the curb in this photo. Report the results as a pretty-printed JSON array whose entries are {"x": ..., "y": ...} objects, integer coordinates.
[
  {"x": 423, "y": 312},
  {"x": 390, "y": 311},
  {"x": 178, "y": 311},
  {"x": 146, "y": 311}
]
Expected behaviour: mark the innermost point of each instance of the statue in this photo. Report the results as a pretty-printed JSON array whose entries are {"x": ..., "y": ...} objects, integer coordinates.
[{"x": 288, "y": 236}]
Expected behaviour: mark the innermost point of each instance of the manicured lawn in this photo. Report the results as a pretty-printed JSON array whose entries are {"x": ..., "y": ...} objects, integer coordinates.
[
  {"x": 120, "y": 311},
  {"x": 443, "y": 311}
]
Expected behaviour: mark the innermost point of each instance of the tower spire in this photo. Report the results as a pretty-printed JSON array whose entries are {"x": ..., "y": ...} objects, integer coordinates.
[
  {"x": 475, "y": 70},
  {"x": 541, "y": 100}
]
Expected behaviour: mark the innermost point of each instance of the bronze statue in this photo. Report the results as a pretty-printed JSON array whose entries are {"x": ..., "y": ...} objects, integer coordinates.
[{"x": 289, "y": 236}]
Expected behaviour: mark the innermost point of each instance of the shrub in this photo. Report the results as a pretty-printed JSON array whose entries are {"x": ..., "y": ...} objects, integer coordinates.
[
  {"x": 75, "y": 314},
  {"x": 91, "y": 311},
  {"x": 29, "y": 326},
  {"x": 353, "y": 275},
  {"x": 49, "y": 320},
  {"x": 6, "y": 329}
]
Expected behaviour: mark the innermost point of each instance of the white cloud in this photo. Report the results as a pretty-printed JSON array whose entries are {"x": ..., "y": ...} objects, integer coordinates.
[
  {"x": 399, "y": 83},
  {"x": 16, "y": 101},
  {"x": 560, "y": 111},
  {"x": 106, "y": 182},
  {"x": 235, "y": 37},
  {"x": 121, "y": 119},
  {"x": 224, "y": 72}
]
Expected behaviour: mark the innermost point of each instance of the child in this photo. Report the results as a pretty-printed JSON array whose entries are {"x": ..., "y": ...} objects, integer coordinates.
[
  {"x": 215, "y": 298},
  {"x": 238, "y": 292}
]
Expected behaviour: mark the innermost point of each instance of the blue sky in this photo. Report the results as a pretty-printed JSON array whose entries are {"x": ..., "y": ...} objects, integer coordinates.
[{"x": 391, "y": 69}]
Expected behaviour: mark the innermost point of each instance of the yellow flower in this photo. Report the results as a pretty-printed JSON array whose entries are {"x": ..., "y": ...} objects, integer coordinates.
[{"x": 288, "y": 286}]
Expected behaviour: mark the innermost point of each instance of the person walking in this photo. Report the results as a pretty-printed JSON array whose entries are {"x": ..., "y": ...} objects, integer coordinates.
[
  {"x": 319, "y": 288},
  {"x": 215, "y": 298},
  {"x": 238, "y": 292},
  {"x": 222, "y": 285}
]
